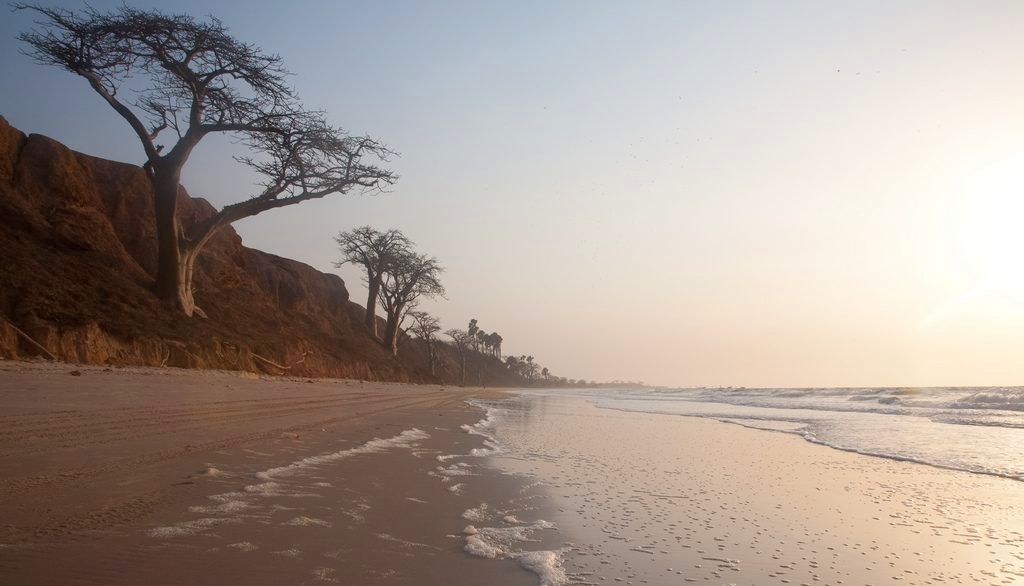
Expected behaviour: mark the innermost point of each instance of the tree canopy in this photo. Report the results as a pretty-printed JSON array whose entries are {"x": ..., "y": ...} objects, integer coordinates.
[
  {"x": 412, "y": 276},
  {"x": 176, "y": 79},
  {"x": 376, "y": 253}
]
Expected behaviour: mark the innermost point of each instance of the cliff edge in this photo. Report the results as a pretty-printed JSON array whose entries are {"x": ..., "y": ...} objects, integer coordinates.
[{"x": 79, "y": 256}]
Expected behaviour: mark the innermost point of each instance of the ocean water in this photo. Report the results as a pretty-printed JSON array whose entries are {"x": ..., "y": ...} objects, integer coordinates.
[
  {"x": 977, "y": 430},
  {"x": 650, "y": 487}
]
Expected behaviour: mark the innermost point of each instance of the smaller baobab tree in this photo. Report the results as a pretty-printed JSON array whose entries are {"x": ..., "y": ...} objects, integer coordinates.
[
  {"x": 410, "y": 278},
  {"x": 424, "y": 326},
  {"x": 461, "y": 340},
  {"x": 376, "y": 253}
]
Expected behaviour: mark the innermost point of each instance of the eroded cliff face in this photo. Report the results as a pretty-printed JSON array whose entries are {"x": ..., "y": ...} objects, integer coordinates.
[{"x": 78, "y": 246}]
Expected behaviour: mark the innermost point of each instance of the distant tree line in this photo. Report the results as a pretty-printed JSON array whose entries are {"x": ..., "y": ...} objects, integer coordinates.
[
  {"x": 474, "y": 339},
  {"x": 397, "y": 278}
]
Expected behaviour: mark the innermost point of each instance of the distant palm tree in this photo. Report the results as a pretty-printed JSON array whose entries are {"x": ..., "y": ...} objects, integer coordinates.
[
  {"x": 497, "y": 345},
  {"x": 491, "y": 343}
]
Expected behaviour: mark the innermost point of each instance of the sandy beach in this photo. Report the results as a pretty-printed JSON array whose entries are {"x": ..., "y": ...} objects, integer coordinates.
[
  {"x": 165, "y": 476},
  {"x": 663, "y": 293},
  {"x": 106, "y": 477}
]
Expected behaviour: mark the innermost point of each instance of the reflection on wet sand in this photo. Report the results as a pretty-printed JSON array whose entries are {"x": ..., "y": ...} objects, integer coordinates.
[{"x": 660, "y": 499}]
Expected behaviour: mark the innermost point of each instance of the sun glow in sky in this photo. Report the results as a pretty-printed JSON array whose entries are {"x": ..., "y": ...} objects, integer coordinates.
[
  {"x": 986, "y": 240},
  {"x": 988, "y": 221},
  {"x": 777, "y": 194}
]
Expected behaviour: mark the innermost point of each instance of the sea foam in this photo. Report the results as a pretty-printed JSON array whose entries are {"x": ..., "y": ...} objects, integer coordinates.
[
  {"x": 500, "y": 543},
  {"x": 231, "y": 506},
  {"x": 546, "y": 564},
  {"x": 406, "y": 439}
]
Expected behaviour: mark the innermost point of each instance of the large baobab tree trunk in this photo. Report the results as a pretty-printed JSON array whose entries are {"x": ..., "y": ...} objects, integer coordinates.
[
  {"x": 186, "y": 268},
  {"x": 391, "y": 330},
  {"x": 371, "y": 304},
  {"x": 174, "y": 266},
  {"x": 430, "y": 357},
  {"x": 176, "y": 255}
]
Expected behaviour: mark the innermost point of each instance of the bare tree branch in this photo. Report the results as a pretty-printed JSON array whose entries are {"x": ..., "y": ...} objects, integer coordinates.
[
  {"x": 180, "y": 68},
  {"x": 411, "y": 277},
  {"x": 193, "y": 76}
]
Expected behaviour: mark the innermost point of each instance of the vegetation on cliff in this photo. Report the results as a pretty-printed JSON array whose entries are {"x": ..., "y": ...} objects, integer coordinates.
[
  {"x": 108, "y": 262},
  {"x": 80, "y": 252}
]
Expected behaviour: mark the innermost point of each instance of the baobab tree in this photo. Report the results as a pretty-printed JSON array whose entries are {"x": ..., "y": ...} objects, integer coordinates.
[
  {"x": 461, "y": 340},
  {"x": 411, "y": 277},
  {"x": 376, "y": 253},
  {"x": 424, "y": 326},
  {"x": 304, "y": 163},
  {"x": 171, "y": 73}
]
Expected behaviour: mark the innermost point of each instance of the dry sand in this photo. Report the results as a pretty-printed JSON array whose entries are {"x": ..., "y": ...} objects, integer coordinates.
[{"x": 118, "y": 476}]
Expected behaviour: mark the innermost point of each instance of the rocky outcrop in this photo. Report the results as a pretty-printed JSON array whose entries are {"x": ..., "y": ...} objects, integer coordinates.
[{"x": 79, "y": 256}]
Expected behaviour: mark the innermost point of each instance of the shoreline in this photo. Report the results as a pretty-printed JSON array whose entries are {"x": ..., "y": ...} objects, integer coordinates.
[
  {"x": 129, "y": 475},
  {"x": 138, "y": 475},
  {"x": 672, "y": 498},
  {"x": 814, "y": 441},
  {"x": 801, "y": 430}
]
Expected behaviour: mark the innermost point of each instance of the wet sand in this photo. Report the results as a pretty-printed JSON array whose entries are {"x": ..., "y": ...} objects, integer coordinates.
[
  {"x": 160, "y": 476},
  {"x": 664, "y": 499}
]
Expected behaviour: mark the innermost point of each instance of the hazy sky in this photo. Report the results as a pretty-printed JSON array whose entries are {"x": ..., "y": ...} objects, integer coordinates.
[{"x": 714, "y": 193}]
